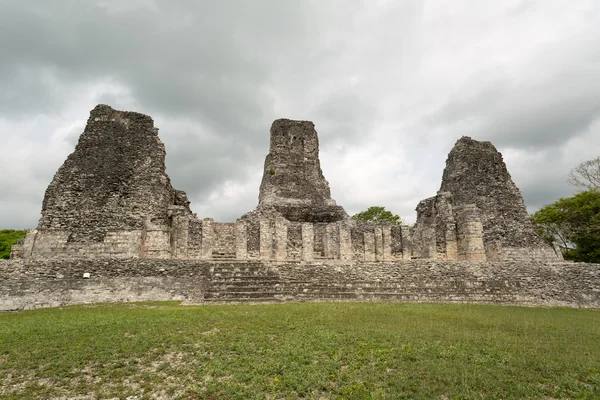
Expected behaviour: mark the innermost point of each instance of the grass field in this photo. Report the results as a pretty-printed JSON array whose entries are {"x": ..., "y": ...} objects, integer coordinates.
[{"x": 312, "y": 350}]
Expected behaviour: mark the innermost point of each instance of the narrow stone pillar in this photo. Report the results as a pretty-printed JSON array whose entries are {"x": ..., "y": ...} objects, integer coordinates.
[
  {"x": 406, "y": 242},
  {"x": 378, "y": 236},
  {"x": 331, "y": 241},
  {"x": 158, "y": 243},
  {"x": 386, "y": 231},
  {"x": 241, "y": 241},
  {"x": 369, "y": 241},
  {"x": 182, "y": 229},
  {"x": 451, "y": 242},
  {"x": 308, "y": 241},
  {"x": 345, "y": 252},
  {"x": 266, "y": 240},
  {"x": 469, "y": 233},
  {"x": 208, "y": 238},
  {"x": 281, "y": 239}
]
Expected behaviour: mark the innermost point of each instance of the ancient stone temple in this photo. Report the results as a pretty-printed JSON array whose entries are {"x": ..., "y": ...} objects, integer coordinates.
[
  {"x": 113, "y": 198},
  {"x": 114, "y": 229},
  {"x": 478, "y": 213}
]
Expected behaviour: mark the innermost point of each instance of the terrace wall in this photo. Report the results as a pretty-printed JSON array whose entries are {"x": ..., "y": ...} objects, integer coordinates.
[{"x": 50, "y": 283}]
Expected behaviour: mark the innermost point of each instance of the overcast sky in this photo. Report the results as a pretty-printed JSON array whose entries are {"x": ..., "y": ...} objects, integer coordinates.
[{"x": 390, "y": 86}]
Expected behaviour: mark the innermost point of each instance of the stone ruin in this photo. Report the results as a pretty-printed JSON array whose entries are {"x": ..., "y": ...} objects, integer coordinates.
[
  {"x": 478, "y": 213},
  {"x": 112, "y": 198}
]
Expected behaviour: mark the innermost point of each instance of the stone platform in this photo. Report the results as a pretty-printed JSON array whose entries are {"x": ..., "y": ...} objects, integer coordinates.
[{"x": 53, "y": 283}]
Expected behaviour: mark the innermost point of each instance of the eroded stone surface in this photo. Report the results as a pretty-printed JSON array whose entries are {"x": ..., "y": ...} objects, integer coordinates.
[
  {"x": 113, "y": 199},
  {"x": 293, "y": 182},
  {"x": 112, "y": 189},
  {"x": 475, "y": 173},
  {"x": 51, "y": 283}
]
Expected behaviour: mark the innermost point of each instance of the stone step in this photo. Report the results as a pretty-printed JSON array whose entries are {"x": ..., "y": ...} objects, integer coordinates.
[
  {"x": 272, "y": 281},
  {"x": 227, "y": 296},
  {"x": 225, "y": 300}
]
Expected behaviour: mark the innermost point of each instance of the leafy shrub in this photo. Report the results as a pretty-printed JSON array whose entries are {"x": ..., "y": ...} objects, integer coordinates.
[{"x": 9, "y": 237}]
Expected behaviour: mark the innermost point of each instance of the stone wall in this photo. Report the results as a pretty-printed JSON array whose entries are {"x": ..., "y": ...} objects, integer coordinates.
[
  {"x": 34, "y": 283},
  {"x": 448, "y": 232},
  {"x": 113, "y": 198}
]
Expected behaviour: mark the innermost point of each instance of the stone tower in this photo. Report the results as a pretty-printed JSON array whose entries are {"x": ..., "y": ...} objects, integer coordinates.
[
  {"x": 111, "y": 197},
  {"x": 293, "y": 182},
  {"x": 478, "y": 213},
  {"x": 475, "y": 173}
]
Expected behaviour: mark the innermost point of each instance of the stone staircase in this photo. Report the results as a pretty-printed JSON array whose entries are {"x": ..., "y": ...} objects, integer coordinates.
[{"x": 234, "y": 283}]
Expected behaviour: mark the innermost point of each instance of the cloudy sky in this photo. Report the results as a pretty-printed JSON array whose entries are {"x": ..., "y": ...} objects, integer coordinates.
[{"x": 390, "y": 86}]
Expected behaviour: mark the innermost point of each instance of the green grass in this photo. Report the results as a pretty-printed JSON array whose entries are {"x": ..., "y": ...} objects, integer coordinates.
[
  {"x": 311, "y": 350},
  {"x": 8, "y": 237}
]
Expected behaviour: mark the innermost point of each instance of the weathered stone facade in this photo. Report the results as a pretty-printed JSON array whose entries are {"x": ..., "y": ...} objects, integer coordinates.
[
  {"x": 26, "y": 284},
  {"x": 293, "y": 183},
  {"x": 111, "y": 211},
  {"x": 479, "y": 213},
  {"x": 113, "y": 198}
]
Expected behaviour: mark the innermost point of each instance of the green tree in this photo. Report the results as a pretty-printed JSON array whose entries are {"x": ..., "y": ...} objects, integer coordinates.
[
  {"x": 574, "y": 224},
  {"x": 378, "y": 214},
  {"x": 8, "y": 237}
]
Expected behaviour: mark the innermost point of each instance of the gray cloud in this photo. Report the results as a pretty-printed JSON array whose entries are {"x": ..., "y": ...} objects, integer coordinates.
[
  {"x": 390, "y": 86},
  {"x": 537, "y": 115}
]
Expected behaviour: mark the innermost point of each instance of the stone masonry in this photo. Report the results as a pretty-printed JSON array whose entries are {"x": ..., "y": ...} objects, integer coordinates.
[
  {"x": 27, "y": 284},
  {"x": 293, "y": 183},
  {"x": 479, "y": 213},
  {"x": 113, "y": 198},
  {"x": 114, "y": 229}
]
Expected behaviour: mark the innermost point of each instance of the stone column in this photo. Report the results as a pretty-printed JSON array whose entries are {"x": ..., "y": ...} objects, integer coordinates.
[
  {"x": 331, "y": 242},
  {"x": 241, "y": 241},
  {"x": 158, "y": 243},
  {"x": 281, "y": 239},
  {"x": 386, "y": 231},
  {"x": 378, "y": 236},
  {"x": 369, "y": 241},
  {"x": 180, "y": 228},
  {"x": 469, "y": 233},
  {"x": 208, "y": 238},
  {"x": 183, "y": 229},
  {"x": 344, "y": 230},
  {"x": 406, "y": 242},
  {"x": 266, "y": 240},
  {"x": 451, "y": 242},
  {"x": 308, "y": 241},
  {"x": 29, "y": 243}
]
